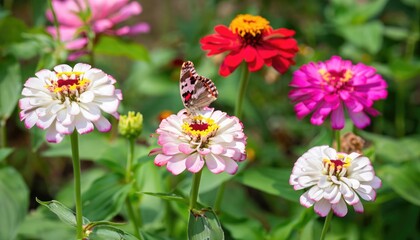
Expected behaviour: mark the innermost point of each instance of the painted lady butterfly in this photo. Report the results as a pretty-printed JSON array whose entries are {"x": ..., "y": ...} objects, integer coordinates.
[{"x": 197, "y": 92}]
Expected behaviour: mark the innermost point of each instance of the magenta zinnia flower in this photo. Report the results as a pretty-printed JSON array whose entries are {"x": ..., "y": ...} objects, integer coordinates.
[
  {"x": 103, "y": 18},
  {"x": 333, "y": 179},
  {"x": 328, "y": 87},
  {"x": 251, "y": 39},
  {"x": 211, "y": 137}
]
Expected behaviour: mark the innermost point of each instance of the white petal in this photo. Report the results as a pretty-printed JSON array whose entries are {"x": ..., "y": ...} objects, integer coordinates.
[
  {"x": 83, "y": 126},
  {"x": 63, "y": 68},
  {"x": 74, "y": 109},
  {"x": 340, "y": 209},
  {"x": 215, "y": 163},
  {"x": 64, "y": 129},
  {"x": 231, "y": 166},
  {"x": 87, "y": 97},
  {"x": 176, "y": 164},
  {"x": 306, "y": 201},
  {"x": 322, "y": 208},
  {"x": 105, "y": 90},
  {"x": 102, "y": 124},
  {"x": 81, "y": 67},
  {"x": 45, "y": 122},
  {"x": 90, "y": 111},
  {"x": 53, "y": 136},
  {"x": 358, "y": 207},
  {"x": 30, "y": 119},
  {"x": 194, "y": 163}
]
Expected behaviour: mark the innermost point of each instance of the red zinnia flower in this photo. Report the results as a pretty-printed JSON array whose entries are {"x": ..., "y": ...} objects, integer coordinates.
[{"x": 251, "y": 38}]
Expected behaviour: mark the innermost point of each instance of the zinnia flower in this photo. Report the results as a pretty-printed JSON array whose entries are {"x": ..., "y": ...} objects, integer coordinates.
[
  {"x": 334, "y": 179},
  {"x": 101, "y": 16},
  {"x": 328, "y": 87},
  {"x": 69, "y": 98},
  {"x": 251, "y": 38},
  {"x": 212, "y": 137}
]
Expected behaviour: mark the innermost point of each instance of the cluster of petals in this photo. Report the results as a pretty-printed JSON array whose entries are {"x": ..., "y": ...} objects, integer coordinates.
[
  {"x": 103, "y": 16},
  {"x": 328, "y": 88},
  {"x": 217, "y": 140},
  {"x": 334, "y": 180},
  {"x": 251, "y": 39},
  {"x": 67, "y": 98}
]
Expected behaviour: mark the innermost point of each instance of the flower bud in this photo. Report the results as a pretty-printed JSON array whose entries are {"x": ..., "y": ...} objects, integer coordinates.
[{"x": 131, "y": 125}]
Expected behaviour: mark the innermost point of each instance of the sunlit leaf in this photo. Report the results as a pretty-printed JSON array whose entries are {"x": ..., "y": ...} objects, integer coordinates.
[
  {"x": 4, "y": 152},
  {"x": 167, "y": 196},
  {"x": 64, "y": 213},
  {"x": 404, "y": 180},
  {"x": 372, "y": 33},
  {"x": 117, "y": 47},
  {"x": 13, "y": 202},
  {"x": 204, "y": 224},
  {"x": 109, "y": 232},
  {"x": 105, "y": 197},
  {"x": 10, "y": 86},
  {"x": 270, "y": 180}
]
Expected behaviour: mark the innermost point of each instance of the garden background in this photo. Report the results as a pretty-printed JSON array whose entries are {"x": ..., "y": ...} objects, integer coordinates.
[{"x": 259, "y": 202}]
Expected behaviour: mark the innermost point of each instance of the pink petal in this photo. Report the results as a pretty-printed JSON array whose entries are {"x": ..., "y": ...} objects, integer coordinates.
[
  {"x": 322, "y": 208},
  {"x": 337, "y": 118},
  {"x": 340, "y": 209},
  {"x": 215, "y": 163},
  {"x": 194, "y": 163}
]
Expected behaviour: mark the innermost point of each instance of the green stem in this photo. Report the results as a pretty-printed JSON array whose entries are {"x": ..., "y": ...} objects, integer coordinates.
[
  {"x": 130, "y": 156},
  {"x": 238, "y": 112},
  {"x": 326, "y": 225},
  {"x": 194, "y": 189},
  {"x": 77, "y": 184},
  {"x": 57, "y": 28},
  {"x": 3, "y": 133},
  {"x": 242, "y": 90},
  {"x": 338, "y": 140},
  {"x": 133, "y": 218}
]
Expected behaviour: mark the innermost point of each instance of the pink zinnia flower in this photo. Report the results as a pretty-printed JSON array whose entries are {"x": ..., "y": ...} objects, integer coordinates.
[
  {"x": 103, "y": 18},
  {"x": 251, "y": 39},
  {"x": 211, "y": 137},
  {"x": 328, "y": 87},
  {"x": 69, "y": 99},
  {"x": 334, "y": 179}
]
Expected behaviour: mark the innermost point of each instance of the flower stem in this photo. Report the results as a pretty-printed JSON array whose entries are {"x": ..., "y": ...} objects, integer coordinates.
[
  {"x": 77, "y": 184},
  {"x": 326, "y": 225},
  {"x": 57, "y": 29},
  {"x": 3, "y": 133},
  {"x": 338, "y": 140},
  {"x": 238, "y": 112},
  {"x": 194, "y": 189},
  {"x": 242, "y": 90},
  {"x": 400, "y": 110},
  {"x": 134, "y": 218}
]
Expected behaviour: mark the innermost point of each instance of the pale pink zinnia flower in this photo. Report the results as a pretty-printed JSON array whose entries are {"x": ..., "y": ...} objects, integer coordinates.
[
  {"x": 334, "y": 179},
  {"x": 66, "y": 99},
  {"x": 211, "y": 137},
  {"x": 328, "y": 87},
  {"x": 103, "y": 18}
]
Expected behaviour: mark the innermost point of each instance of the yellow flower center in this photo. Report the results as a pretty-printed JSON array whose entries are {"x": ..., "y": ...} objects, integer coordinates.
[
  {"x": 334, "y": 77},
  {"x": 246, "y": 24},
  {"x": 336, "y": 166},
  {"x": 200, "y": 128},
  {"x": 68, "y": 84}
]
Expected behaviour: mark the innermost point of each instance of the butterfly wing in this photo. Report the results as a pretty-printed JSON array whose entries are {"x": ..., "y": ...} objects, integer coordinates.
[{"x": 197, "y": 92}]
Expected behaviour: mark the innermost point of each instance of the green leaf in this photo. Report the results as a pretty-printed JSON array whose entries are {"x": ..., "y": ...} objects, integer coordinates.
[
  {"x": 105, "y": 197},
  {"x": 4, "y": 152},
  {"x": 11, "y": 30},
  {"x": 10, "y": 86},
  {"x": 396, "y": 33},
  {"x": 14, "y": 202},
  {"x": 372, "y": 33},
  {"x": 117, "y": 47},
  {"x": 404, "y": 180},
  {"x": 109, "y": 232},
  {"x": 353, "y": 11},
  {"x": 167, "y": 196},
  {"x": 403, "y": 70},
  {"x": 390, "y": 150},
  {"x": 204, "y": 224},
  {"x": 270, "y": 180},
  {"x": 65, "y": 214}
]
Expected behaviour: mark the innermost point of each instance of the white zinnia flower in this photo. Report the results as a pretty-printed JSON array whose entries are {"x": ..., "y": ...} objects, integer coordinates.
[
  {"x": 211, "y": 137},
  {"x": 334, "y": 179},
  {"x": 69, "y": 98}
]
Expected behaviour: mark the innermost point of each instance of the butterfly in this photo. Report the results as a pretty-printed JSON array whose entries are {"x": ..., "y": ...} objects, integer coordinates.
[{"x": 197, "y": 92}]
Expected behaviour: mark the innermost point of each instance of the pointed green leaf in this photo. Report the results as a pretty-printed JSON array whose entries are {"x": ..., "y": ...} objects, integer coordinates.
[
  {"x": 14, "y": 202},
  {"x": 109, "y": 232},
  {"x": 4, "y": 152},
  {"x": 404, "y": 180},
  {"x": 105, "y": 197},
  {"x": 204, "y": 225},
  {"x": 10, "y": 86},
  {"x": 270, "y": 180},
  {"x": 64, "y": 213},
  {"x": 167, "y": 196},
  {"x": 117, "y": 47},
  {"x": 372, "y": 32}
]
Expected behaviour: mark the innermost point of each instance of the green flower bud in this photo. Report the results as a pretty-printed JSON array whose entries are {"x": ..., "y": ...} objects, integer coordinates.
[{"x": 130, "y": 125}]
